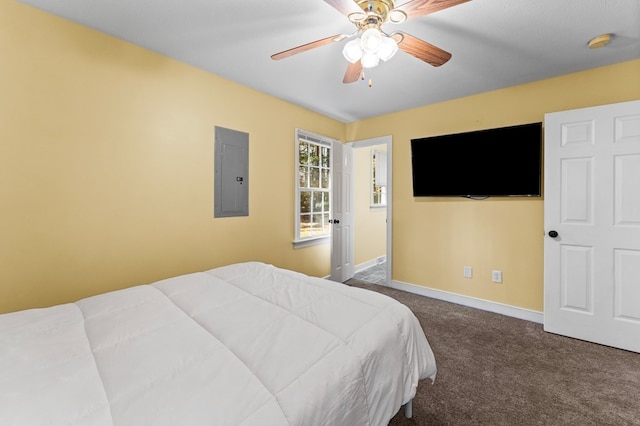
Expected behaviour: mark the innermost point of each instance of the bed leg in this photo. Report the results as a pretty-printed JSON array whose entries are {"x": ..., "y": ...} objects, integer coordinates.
[{"x": 408, "y": 409}]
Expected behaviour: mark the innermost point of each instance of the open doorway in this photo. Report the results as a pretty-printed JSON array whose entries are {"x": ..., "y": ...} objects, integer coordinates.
[{"x": 371, "y": 189}]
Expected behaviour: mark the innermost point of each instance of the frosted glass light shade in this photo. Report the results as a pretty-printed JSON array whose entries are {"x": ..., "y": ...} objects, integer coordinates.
[
  {"x": 388, "y": 48},
  {"x": 370, "y": 60},
  {"x": 371, "y": 40},
  {"x": 352, "y": 51}
]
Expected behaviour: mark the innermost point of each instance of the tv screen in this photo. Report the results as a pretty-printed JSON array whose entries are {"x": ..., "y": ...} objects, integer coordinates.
[{"x": 503, "y": 162}]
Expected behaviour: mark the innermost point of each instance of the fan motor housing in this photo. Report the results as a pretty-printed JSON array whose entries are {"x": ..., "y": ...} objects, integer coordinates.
[
  {"x": 379, "y": 7},
  {"x": 373, "y": 10}
]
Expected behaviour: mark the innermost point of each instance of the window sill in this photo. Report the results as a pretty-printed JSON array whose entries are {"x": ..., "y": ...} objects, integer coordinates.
[
  {"x": 377, "y": 206},
  {"x": 310, "y": 242}
]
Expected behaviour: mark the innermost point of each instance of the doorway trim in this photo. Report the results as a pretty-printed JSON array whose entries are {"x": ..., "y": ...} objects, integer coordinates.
[{"x": 382, "y": 140}]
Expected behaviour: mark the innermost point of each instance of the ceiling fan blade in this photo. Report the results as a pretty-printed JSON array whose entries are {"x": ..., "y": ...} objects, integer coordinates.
[
  {"x": 346, "y": 7},
  {"x": 308, "y": 46},
  {"x": 416, "y": 8},
  {"x": 421, "y": 49},
  {"x": 353, "y": 72}
]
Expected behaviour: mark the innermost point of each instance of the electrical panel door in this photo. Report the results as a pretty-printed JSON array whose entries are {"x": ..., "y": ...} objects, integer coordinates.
[{"x": 231, "y": 180}]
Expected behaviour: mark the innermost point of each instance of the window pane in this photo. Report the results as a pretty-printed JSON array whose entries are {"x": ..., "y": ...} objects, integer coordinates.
[
  {"x": 379, "y": 195},
  {"x": 374, "y": 161},
  {"x": 305, "y": 201},
  {"x": 303, "y": 173},
  {"x": 326, "y": 156},
  {"x": 327, "y": 204},
  {"x": 317, "y": 224},
  {"x": 315, "y": 178},
  {"x": 305, "y": 225},
  {"x": 317, "y": 202},
  {"x": 314, "y": 155},
  {"x": 325, "y": 178},
  {"x": 325, "y": 222},
  {"x": 304, "y": 153}
]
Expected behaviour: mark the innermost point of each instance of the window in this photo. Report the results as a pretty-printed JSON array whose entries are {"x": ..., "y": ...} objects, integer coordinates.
[
  {"x": 313, "y": 188},
  {"x": 378, "y": 178}
]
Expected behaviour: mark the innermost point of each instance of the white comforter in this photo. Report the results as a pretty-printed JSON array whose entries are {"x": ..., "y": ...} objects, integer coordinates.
[{"x": 245, "y": 344}]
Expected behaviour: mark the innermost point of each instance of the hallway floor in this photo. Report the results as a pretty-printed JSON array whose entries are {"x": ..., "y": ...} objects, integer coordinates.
[{"x": 376, "y": 274}]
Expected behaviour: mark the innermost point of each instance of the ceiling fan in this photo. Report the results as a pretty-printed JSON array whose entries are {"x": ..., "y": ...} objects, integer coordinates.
[{"x": 373, "y": 44}]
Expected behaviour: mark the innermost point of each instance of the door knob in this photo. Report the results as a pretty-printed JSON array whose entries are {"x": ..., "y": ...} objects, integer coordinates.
[
  {"x": 336, "y": 221},
  {"x": 553, "y": 234}
]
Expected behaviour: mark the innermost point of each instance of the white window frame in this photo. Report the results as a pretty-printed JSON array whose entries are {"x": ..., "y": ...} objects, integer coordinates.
[{"x": 305, "y": 136}]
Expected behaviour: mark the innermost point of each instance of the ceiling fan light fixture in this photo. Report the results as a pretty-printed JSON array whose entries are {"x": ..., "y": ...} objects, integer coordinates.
[
  {"x": 352, "y": 51},
  {"x": 371, "y": 44},
  {"x": 370, "y": 60},
  {"x": 388, "y": 48},
  {"x": 371, "y": 40}
]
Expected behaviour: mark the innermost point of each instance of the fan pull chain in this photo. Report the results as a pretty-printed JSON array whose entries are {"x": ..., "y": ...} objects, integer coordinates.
[{"x": 362, "y": 78}]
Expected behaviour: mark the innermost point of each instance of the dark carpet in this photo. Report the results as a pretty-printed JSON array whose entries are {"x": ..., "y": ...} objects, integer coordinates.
[{"x": 498, "y": 370}]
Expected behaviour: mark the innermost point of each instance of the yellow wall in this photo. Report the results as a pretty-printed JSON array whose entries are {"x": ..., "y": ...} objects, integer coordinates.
[
  {"x": 370, "y": 224},
  {"x": 106, "y": 176},
  {"x": 106, "y": 165},
  {"x": 433, "y": 238}
]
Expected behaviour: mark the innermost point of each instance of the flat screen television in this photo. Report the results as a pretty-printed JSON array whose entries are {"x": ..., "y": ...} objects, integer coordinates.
[{"x": 502, "y": 162}]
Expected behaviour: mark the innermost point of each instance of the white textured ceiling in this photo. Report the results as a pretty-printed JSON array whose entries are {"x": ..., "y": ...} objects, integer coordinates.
[{"x": 494, "y": 43}]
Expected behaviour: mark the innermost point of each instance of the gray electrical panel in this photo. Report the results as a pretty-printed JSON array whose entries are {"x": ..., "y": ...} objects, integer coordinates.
[{"x": 231, "y": 179}]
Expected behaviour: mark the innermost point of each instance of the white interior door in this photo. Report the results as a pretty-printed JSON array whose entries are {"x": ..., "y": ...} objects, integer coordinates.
[
  {"x": 342, "y": 234},
  {"x": 592, "y": 224}
]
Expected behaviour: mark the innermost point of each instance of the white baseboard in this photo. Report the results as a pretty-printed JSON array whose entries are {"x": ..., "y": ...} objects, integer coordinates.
[{"x": 485, "y": 305}]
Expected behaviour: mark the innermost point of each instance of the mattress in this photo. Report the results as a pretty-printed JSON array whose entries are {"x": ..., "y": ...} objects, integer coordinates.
[{"x": 244, "y": 344}]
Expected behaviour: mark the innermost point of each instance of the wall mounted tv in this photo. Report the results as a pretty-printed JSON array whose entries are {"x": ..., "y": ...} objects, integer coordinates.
[{"x": 503, "y": 162}]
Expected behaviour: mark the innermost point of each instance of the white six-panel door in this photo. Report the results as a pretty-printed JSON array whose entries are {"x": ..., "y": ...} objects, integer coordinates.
[
  {"x": 592, "y": 202},
  {"x": 342, "y": 267}
]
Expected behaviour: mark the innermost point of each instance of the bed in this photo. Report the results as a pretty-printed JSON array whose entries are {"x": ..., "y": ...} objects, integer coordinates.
[{"x": 243, "y": 344}]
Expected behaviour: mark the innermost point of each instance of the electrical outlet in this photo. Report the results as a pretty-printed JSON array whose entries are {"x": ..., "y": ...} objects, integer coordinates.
[
  {"x": 496, "y": 276},
  {"x": 467, "y": 272}
]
